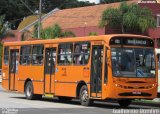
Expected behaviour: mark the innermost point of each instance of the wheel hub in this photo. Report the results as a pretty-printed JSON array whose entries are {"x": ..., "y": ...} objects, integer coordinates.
[
  {"x": 84, "y": 96},
  {"x": 29, "y": 91}
]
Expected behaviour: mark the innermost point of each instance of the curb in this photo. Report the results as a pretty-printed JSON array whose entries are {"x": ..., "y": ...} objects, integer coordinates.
[{"x": 151, "y": 103}]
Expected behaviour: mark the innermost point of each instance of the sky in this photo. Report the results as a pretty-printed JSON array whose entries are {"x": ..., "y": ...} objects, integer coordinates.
[{"x": 96, "y": 1}]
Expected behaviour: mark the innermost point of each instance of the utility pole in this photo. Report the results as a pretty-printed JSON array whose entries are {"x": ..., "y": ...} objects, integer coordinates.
[
  {"x": 38, "y": 17},
  {"x": 39, "y": 21}
]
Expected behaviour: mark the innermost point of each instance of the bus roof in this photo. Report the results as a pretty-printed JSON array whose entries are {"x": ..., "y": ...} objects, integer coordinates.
[{"x": 106, "y": 38}]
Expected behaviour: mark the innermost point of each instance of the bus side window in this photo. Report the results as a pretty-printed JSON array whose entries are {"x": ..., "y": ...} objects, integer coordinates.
[
  {"x": 37, "y": 54},
  {"x": 25, "y": 55},
  {"x": 69, "y": 51},
  {"x": 6, "y": 55},
  {"x": 81, "y": 53},
  {"x": 77, "y": 54},
  {"x": 65, "y": 53}
]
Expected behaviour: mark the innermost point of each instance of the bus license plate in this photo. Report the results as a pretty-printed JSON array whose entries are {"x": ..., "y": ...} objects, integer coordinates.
[{"x": 136, "y": 92}]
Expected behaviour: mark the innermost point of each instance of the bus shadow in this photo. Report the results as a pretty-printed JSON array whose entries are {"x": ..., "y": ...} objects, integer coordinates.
[
  {"x": 18, "y": 97},
  {"x": 96, "y": 104}
]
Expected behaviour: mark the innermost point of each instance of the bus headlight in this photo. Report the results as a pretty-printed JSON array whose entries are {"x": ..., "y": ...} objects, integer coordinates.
[
  {"x": 117, "y": 85},
  {"x": 153, "y": 85}
]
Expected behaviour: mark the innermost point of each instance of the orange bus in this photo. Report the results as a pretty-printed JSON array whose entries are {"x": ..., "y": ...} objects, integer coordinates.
[{"x": 119, "y": 66}]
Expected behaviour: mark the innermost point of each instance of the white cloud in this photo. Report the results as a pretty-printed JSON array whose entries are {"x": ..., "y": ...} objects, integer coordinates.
[{"x": 96, "y": 1}]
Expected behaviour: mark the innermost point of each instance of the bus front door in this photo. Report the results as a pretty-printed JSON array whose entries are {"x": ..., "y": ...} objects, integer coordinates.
[
  {"x": 96, "y": 71},
  {"x": 50, "y": 60},
  {"x": 13, "y": 69}
]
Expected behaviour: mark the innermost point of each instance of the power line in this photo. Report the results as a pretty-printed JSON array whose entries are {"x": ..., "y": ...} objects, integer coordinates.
[{"x": 27, "y": 7}]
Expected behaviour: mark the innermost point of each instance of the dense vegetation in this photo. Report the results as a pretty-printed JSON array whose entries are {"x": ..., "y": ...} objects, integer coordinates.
[
  {"x": 15, "y": 11},
  {"x": 128, "y": 18}
]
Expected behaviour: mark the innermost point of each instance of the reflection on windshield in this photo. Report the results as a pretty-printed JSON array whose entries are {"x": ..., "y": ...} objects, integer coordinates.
[{"x": 132, "y": 62}]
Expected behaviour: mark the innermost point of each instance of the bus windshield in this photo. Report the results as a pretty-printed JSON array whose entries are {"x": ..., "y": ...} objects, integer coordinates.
[{"x": 133, "y": 62}]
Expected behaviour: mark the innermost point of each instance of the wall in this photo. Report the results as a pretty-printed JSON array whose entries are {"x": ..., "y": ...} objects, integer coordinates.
[{"x": 84, "y": 31}]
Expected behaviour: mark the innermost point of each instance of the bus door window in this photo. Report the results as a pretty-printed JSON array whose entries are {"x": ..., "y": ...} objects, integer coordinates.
[
  {"x": 50, "y": 61},
  {"x": 14, "y": 61}
]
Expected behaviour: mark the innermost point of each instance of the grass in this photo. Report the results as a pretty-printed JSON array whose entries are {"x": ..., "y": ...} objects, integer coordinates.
[{"x": 146, "y": 101}]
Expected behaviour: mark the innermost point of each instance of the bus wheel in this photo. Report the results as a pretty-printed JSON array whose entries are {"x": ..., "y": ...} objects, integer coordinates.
[
  {"x": 124, "y": 103},
  {"x": 84, "y": 96},
  {"x": 29, "y": 92},
  {"x": 64, "y": 99}
]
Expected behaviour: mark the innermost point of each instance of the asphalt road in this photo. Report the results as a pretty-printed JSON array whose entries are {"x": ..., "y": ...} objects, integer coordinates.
[{"x": 14, "y": 102}]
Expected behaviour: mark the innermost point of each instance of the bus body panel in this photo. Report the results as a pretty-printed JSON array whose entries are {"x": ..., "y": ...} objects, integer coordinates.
[
  {"x": 134, "y": 87},
  {"x": 5, "y": 77},
  {"x": 36, "y": 77},
  {"x": 63, "y": 86},
  {"x": 67, "y": 77}
]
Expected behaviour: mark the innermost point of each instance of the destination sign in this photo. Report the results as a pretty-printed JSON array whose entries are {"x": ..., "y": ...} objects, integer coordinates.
[
  {"x": 135, "y": 41},
  {"x": 132, "y": 41}
]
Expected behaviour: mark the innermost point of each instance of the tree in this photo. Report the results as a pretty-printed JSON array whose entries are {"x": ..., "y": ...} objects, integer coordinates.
[
  {"x": 93, "y": 34},
  {"x": 111, "y": 1},
  {"x": 68, "y": 34},
  {"x": 55, "y": 32},
  {"x": 4, "y": 28},
  {"x": 52, "y": 32},
  {"x": 1, "y": 26},
  {"x": 15, "y": 10},
  {"x": 128, "y": 18}
]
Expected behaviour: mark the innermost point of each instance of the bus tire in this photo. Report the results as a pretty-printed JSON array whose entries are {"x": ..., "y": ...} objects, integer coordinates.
[
  {"x": 124, "y": 103},
  {"x": 84, "y": 96},
  {"x": 29, "y": 92}
]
